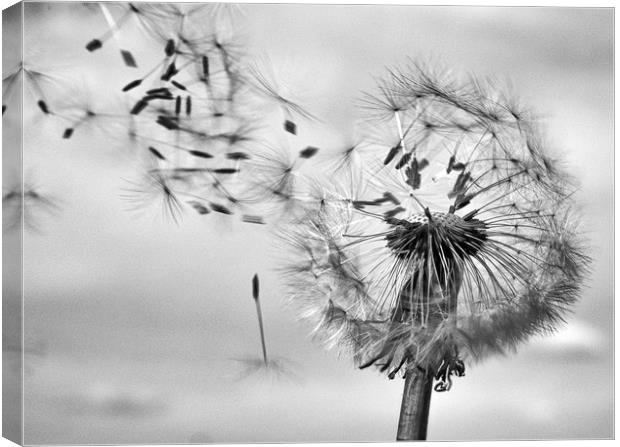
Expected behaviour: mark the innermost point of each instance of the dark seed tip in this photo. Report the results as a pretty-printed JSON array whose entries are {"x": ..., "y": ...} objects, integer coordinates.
[
  {"x": 93, "y": 45},
  {"x": 43, "y": 106},
  {"x": 255, "y": 287},
  {"x": 128, "y": 58},
  {"x": 290, "y": 127},
  {"x": 308, "y": 152},
  {"x": 132, "y": 85}
]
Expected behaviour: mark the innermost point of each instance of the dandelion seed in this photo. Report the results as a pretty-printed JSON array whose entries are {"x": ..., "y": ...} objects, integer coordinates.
[
  {"x": 259, "y": 313},
  {"x": 36, "y": 80},
  {"x": 220, "y": 208},
  {"x": 225, "y": 171},
  {"x": 164, "y": 95},
  {"x": 156, "y": 153},
  {"x": 128, "y": 59},
  {"x": 393, "y": 212},
  {"x": 139, "y": 107},
  {"x": 178, "y": 85},
  {"x": 404, "y": 160},
  {"x": 237, "y": 156},
  {"x": 43, "y": 106},
  {"x": 68, "y": 133},
  {"x": 391, "y": 154},
  {"x": 159, "y": 91},
  {"x": 290, "y": 127},
  {"x": 265, "y": 82},
  {"x": 308, "y": 152},
  {"x": 26, "y": 204},
  {"x": 170, "y": 72},
  {"x": 199, "y": 207},
  {"x": 391, "y": 197},
  {"x": 170, "y": 124},
  {"x": 205, "y": 69},
  {"x": 200, "y": 154},
  {"x": 93, "y": 45},
  {"x": 253, "y": 219},
  {"x": 177, "y": 106},
  {"x": 132, "y": 85},
  {"x": 170, "y": 48}
]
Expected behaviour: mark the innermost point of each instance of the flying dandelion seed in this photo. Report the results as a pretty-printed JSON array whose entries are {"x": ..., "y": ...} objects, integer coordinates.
[
  {"x": 155, "y": 188},
  {"x": 457, "y": 242},
  {"x": 39, "y": 82},
  {"x": 277, "y": 368},
  {"x": 262, "y": 77},
  {"x": 197, "y": 115},
  {"x": 154, "y": 19},
  {"x": 26, "y": 203},
  {"x": 259, "y": 313}
]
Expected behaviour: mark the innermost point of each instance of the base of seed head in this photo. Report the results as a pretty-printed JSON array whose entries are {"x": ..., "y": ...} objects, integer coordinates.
[{"x": 448, "y": 231}]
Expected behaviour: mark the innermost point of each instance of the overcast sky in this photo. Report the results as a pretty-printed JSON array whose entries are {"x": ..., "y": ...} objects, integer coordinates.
[{"x": 134, "y": 324}]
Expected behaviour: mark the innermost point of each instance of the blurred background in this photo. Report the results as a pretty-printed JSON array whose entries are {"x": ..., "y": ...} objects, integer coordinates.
[{"x": 138, "y": 330}]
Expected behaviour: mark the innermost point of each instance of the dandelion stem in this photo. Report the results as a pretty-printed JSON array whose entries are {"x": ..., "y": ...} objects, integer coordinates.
[{"x": 415, "y": 406}]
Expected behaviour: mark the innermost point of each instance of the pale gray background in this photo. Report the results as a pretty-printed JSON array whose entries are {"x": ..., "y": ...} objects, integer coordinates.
[{"x": 134, "y": 323}]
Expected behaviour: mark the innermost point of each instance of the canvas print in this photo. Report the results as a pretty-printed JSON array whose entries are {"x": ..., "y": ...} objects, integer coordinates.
[{"x": 242, "y": 223}]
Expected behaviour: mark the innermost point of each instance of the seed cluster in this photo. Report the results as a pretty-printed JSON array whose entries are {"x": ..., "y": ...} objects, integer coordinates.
[{"x": 451, "y": 236}]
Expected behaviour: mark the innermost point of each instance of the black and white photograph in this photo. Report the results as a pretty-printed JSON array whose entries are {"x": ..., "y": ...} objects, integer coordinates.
[{"x": 306, "y": 222}]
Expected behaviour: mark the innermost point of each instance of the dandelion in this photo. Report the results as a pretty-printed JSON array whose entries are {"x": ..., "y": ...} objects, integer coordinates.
[{"x": 456, "y": 241}]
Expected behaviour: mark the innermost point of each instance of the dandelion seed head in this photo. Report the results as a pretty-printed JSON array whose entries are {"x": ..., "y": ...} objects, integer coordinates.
[{"x": 453, "y": 240}]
